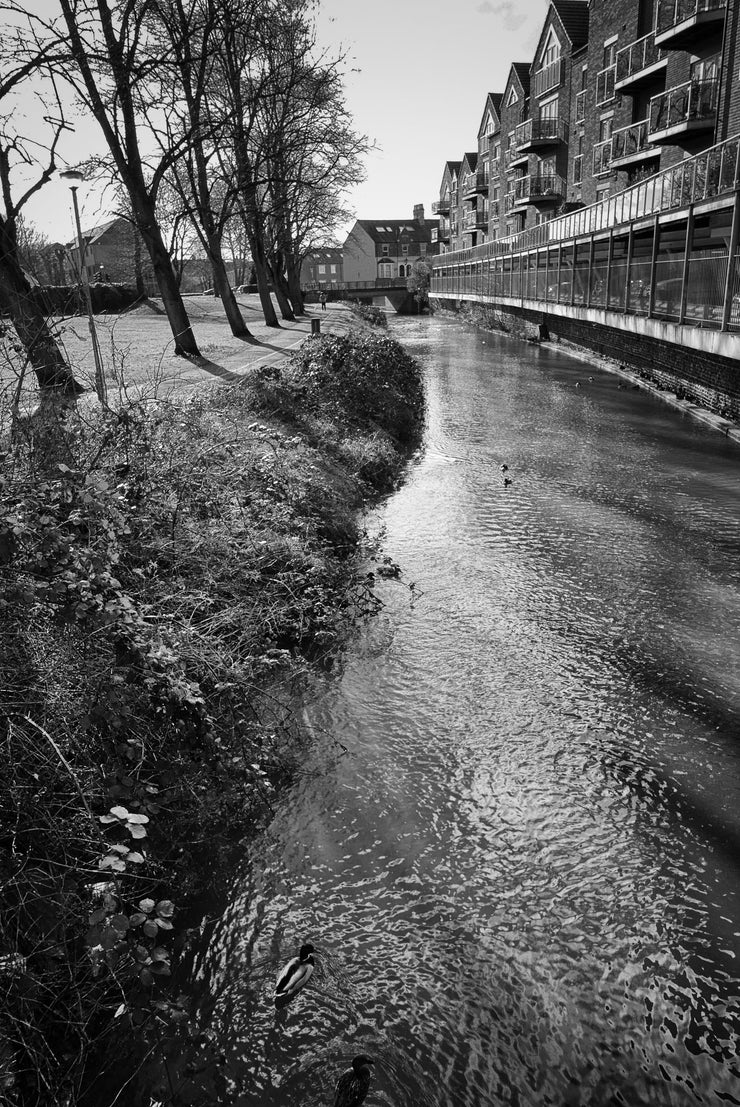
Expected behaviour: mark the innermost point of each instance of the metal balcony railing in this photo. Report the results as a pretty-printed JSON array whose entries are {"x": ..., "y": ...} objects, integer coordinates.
[
  {"x": 634, "y": 59},
  {"x": 540, "y": 131},
  {"x": 630, "y": 141},
  {"x": 581, "y": 105},
  {"x": 547, "y": 78},
  {"x": 694, "y": 102},
  {"x": 441, "y": 207},
  {"x": 549, "y": 187},
  {"x": 605, "y": 80},
  {"x": 602, "y": 154},
  {"x": 578, "y": 169},
  {"x": 673, "y": 12}
]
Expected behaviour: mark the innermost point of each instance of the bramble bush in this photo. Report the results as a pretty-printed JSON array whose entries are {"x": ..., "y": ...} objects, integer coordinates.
[{"x": 167, "y": 592}]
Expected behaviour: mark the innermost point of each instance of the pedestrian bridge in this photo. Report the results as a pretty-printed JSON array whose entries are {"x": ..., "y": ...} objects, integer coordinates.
[{"x": 383, "y": 292}]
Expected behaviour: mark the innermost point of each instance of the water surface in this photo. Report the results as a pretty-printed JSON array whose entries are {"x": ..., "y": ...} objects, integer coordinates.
[{"x": 522, "y": 875}]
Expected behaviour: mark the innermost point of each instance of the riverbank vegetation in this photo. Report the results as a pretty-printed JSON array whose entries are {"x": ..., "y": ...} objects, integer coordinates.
[{"x": 171, "y": 580}]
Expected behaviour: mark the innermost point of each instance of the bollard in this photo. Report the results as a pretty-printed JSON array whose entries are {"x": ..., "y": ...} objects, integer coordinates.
[{"x": 315, "y": 326}]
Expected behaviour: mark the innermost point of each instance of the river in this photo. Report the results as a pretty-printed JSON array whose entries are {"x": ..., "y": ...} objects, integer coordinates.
[{"x": 515, "y": 842}]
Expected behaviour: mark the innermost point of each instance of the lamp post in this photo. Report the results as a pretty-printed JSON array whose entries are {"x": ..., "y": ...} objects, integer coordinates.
[{"x": 74, "y": 178}]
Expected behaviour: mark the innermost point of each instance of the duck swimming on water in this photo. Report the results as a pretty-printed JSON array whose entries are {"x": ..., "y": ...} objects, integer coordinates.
[
  {"x": 354, "y": 1084},
  {"x": 296, "y": 974}
]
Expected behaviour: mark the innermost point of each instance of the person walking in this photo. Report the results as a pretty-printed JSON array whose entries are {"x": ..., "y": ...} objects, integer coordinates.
[{"x": 322, "y": 301}]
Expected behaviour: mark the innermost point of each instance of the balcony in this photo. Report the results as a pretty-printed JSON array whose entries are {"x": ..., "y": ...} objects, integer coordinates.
[
  {"x": 605, "y": 81},
  {"x": 687, "y": 109},
  {"x": 631, "y": 146},
  {"x": 473, "y": 185},
  {"x": 514, "y": 156},
  {"x": 534, "y": 133},
  {"x": 547, "y": 78},
  {"x": 581, "y": 106},
  {"x": 441, "y": 207},
  {"x": 681, "y": 23},
  {"x": 539, "y": 190},
  {"x": 638, "y": 62},
  {"x": 602, "y": 155},
  {"x": 475, "y": 220}
]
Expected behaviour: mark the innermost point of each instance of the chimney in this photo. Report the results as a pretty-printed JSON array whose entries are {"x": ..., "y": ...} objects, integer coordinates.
[{"x": 419, "y": 213}]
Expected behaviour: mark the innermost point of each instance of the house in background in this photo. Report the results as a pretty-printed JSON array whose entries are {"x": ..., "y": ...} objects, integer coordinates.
[
  {"x": 387, "y": 248},
  {"x": 322, "y": 268},
  {"x": 114, "y": 251}
]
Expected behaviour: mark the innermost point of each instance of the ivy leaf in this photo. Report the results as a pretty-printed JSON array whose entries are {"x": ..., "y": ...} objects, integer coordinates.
[
  {"x": 133, "y": 818},
  {"x": 120, "y": 812},
  {"x": 137, "y": 919},
  {"x": 137, "y": 831},
  {"x": 136, "y": 858},
  {"x": 166, "y": 908},
  {"x": 146, "y": 905},
  {"x": 150, "y": 928}
]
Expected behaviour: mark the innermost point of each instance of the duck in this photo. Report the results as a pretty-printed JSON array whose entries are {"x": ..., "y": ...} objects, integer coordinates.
[
  {"x": 507, "y": 482},
  {"x": 504, "y": 468},
  {"x": 354, "y": 1084},
  {"x": 296, "y": 973}
]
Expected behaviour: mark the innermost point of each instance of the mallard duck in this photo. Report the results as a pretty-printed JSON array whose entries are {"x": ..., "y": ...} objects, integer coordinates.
[
  {"x": 354, "y": 1084},
  {"x": 295, "y": 974}
]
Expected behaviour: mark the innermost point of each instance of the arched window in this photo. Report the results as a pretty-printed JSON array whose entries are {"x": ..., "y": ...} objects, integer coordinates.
[{"x": 385, "y": 269}]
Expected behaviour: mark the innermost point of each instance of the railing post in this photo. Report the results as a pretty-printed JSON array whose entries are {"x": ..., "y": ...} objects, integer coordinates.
[
  {"x": 547, "y": 272},
  {"x": 653, "y": 266},
  {"x": 686, "y": 258},
  {"x": 630, "y": 243},
  {"x": 573, "y": 273},
  {"x": 560, "y": 268},
  {"x": 590, "y": 272},
  {"x": 609, "y": 260},
  {"x": 730, "y": 276}
]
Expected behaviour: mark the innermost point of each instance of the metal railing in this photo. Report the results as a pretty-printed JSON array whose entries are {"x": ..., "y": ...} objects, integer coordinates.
[
  {"x": 541, "y": 130},
  {"x": 441, "y": 207},
  {"x": 605, "y": 80},
  {"x": 673, "y": 12},
  {"x": 581, "y": 106},
  {"x": 638, "y": 56},
  {"x": 602, "y": 154},
  {"x": 547, "y": 78},
  {"x": 691, "y": 102},
  {"x": 550, "y": 186},
  {"x": 706, "y": 176},
  {"x": 627, "y": 141}
]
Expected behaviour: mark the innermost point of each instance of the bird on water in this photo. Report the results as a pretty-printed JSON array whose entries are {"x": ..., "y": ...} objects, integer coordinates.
[
  {"x": 296, "y": 973},
  {"x": 354, "y": 1084}
]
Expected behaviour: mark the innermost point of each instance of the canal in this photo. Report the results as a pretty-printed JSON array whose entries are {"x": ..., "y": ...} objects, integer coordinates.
[{"x": 515, "y": 841}]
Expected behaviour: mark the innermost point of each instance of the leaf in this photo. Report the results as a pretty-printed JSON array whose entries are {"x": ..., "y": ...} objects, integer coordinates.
[
  {"x": 119, "y": 812},
  {"x": 120, "y": 923},
  {"x": 137, "y": 919},
  {"x": 97, "y": 916},
  {"x": 166, "y": 908},
  {"x": 146, "y": 905},
  {"x": 160, "y": 968},
  {"x": 159, "y": 954},
  {"x": 137, "y": 831},
  {"x": 164, "y": 924},
  {"x": 137, "y": 818},
  {"x": 150, "y": 928},
  {"x": 136, "y": 858},
  {"x": 121, "y": 1010},
  {"x": 146, "y": 978}
]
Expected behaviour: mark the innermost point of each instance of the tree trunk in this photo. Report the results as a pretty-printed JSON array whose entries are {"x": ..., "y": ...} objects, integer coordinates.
[
  {"x": 185, "y": 344},
  {"x": 263, "y": 282},
  {"x": 281, "y": 292},
  {"x": 222, "y": 285},
  {"x": 32, "y": 327},
  {"x": 294, "y": 286}
]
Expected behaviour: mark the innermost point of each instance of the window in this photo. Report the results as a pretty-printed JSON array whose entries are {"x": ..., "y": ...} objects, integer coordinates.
[
  {"x": 422, "y": 247},
  {"x": 605, "y": 127},
  {"x": 405, "y": 248},
  {"x": 610, "y": 52},
  {"x": 550, "y": 51},
  {"x": 322, "y": 270},
  {"x": 602, "y": 194},
  {"x": 385, "y": 248},
  {"x": 549, "y": 110},
  {"x": 513, "y": 98},
  {"x": 584, "y": 77}
]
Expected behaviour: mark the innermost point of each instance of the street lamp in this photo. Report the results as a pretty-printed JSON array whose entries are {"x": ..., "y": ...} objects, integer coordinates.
[{"x": 74, "y": 179}]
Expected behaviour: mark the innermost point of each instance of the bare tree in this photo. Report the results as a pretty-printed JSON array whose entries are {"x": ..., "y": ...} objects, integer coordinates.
[
  {"x": 22, "y": 62},
  {"x": 111, "y": 72}
]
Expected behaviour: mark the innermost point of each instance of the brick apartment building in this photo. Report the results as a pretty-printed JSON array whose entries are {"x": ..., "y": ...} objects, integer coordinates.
[{"x": 616, "y": 91}]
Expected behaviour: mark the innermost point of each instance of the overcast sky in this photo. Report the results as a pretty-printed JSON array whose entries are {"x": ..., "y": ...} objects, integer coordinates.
[{"x": 423, "y": 69}]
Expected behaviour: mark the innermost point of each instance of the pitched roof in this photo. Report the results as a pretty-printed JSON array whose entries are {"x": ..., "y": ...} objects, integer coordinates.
[
  {"x": 393, "y": 230},
  {"x": 497, "y": 99},
  {"x": 522, "y": 71},
  {"x": 471, "y": 159},
  {"x": 574, "y": 17}
]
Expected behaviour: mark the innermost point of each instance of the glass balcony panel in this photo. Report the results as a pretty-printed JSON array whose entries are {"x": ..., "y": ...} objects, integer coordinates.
[
  {"x": 547, "y": 78},
  {"x": 637, "y": 57},
  {"x": 629, "y": 142},
  {"x": 692, "y": 102},
  {"x": 673, "y": 12}
]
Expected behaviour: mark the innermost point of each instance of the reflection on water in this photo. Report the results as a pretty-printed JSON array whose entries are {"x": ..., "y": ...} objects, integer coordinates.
[{"x": 522, "y": 879}]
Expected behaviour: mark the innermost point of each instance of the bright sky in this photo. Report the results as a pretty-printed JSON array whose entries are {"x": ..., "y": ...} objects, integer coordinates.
[{"x": 422, "y": 69}]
